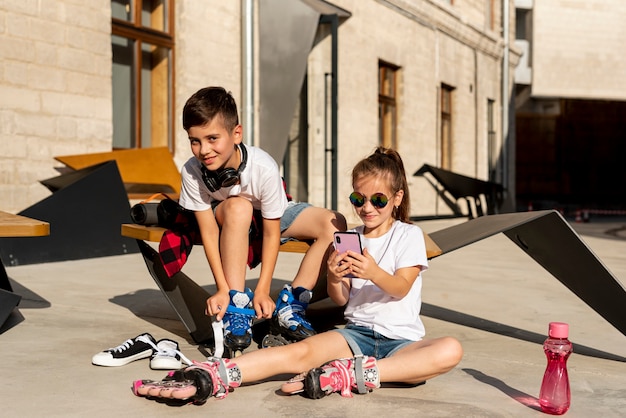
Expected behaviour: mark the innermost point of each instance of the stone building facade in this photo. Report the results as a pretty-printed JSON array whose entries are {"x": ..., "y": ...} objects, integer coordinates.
[
  {"x": 57, "y": 97},
  {"x": 571, "y": 105}
]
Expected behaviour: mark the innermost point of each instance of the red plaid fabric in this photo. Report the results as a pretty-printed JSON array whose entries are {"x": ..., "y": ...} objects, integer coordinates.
[{"x": 177, "y": 242}]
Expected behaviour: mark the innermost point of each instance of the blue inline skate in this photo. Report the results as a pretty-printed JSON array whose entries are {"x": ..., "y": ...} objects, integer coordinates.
[
  {"x": 288, "y": 323},
  {"x": 238, "y": 322}
]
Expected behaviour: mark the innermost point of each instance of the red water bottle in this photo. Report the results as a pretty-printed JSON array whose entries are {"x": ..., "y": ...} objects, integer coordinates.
[{"x": 555, "y": 396}]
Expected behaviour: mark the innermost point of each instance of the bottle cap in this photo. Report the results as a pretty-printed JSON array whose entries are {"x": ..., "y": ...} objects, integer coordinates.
[{"x": 558, "y": 330}]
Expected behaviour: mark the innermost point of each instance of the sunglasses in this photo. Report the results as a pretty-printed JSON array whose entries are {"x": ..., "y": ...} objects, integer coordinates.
[{"x": 378, "y": 200}]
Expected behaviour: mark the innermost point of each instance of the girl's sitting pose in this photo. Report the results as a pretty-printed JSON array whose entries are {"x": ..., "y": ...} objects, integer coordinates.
[{"x": 381, "y": 289}]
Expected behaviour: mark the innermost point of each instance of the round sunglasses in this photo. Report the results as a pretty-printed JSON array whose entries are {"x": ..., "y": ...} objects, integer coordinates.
[{"x": 378, "y": 200}]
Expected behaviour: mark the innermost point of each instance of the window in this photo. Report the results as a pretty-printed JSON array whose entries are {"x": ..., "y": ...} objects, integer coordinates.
[
  {"x": 446, "y": 127},
  {"x": 143, "y": 51},
  {"x": 387, "y": 110}
]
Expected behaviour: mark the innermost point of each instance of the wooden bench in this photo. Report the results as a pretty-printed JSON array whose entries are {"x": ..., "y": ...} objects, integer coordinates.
[
  {"x": 154, "y": 234},
  {"x": 15, "y": 226},
  {"x": 21, "y": 226},
  {"x": 144, "y": 171}
]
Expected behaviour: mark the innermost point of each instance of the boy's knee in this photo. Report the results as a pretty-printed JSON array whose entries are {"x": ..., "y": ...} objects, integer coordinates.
[
  {"x": 237, "y": 209},
  {"x": 339, "y": 221},
  {"x": 334, "y": 221}
]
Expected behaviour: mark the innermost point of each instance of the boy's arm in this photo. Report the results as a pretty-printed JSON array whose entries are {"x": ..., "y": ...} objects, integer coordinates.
[
  {"x": 209, "y": 231},
  {"x": 269, "y": 255}
]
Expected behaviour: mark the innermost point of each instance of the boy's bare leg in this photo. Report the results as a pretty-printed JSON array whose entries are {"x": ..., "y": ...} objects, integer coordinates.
[
  {"x": 316, "y": 224},
  {"x": 234, "y": 216},
  {"x": 289, "y": 322}
]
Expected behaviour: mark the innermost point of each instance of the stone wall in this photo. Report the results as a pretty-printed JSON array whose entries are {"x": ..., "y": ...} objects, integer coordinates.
[{"x": 55, "y": 90}]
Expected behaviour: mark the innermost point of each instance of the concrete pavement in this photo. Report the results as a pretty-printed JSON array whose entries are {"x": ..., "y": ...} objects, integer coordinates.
[{"x": 489, "y": 295}]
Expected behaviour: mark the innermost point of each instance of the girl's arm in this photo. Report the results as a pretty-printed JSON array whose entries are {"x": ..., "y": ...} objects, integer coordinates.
[
  {"x": 337, "y": 286},
  {"x": 397, "y": 285}
]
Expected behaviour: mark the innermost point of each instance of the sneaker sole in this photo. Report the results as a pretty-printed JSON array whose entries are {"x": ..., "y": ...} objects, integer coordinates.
[
  {"x": 163, "y": 363},
  {"x": 105, "y": 359}
]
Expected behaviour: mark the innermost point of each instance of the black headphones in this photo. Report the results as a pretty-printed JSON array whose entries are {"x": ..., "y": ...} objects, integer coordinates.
[{"x": 225, "y": 177}]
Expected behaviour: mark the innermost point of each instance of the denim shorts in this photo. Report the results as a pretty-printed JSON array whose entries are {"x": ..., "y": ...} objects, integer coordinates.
[
  {"x": 368, "y": 342},
  {"x": 291, "y": 213}
]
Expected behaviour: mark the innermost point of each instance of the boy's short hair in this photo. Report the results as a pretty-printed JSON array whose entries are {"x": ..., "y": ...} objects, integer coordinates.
[{"x": 208, "y": 103}]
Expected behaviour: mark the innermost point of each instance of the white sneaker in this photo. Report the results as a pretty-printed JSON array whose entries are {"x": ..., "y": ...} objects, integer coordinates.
[{"x": 166, "y": 356}]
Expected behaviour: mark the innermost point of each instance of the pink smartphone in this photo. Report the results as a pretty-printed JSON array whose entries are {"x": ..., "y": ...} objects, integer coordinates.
[{"x": 345, "y": 241}]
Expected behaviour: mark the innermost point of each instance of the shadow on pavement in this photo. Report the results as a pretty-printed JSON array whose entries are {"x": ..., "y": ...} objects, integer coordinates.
[
  {"x": 460, "y": 318},
  {"x": 521, "y": 397}
]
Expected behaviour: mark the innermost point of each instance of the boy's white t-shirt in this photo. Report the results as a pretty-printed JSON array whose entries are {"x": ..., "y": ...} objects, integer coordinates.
[
  {"x": 260, "y": 182},
  {"x": 402, "y": 246}
]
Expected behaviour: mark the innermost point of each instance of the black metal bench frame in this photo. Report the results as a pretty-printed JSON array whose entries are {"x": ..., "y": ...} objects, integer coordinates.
[{"x": 544, "y": 235}]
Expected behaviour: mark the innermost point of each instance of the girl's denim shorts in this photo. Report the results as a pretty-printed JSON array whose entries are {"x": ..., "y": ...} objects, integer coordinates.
[{"x": 368, "y": 342}]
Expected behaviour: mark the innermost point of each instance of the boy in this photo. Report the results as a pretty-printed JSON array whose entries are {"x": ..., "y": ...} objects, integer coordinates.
[{"x": 235, "y": 189}]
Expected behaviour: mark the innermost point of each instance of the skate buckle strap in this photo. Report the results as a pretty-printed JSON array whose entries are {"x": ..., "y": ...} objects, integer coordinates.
[
  {"x": 229, "y": 372},
  {"x": 242, "y": 311},
  {"x": 218, "y": 337},
  {"x": 358, "y": 374}
]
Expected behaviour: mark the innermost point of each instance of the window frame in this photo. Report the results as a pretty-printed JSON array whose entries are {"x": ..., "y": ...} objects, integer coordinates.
[
  {"x": 388, "y": 105},
  {"x": 138, "y": 35},
  {"x": 492, "y": 140},
  {"x": 446, "y": 132}
]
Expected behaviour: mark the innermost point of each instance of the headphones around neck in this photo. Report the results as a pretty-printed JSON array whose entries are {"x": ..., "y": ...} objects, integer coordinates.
[{"x": 225, "y": 177}]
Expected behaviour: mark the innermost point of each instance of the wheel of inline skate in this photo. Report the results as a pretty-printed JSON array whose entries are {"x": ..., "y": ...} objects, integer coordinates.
[
  {"x": 232, "y": 353},
  {"x": 271, "y": 340}
]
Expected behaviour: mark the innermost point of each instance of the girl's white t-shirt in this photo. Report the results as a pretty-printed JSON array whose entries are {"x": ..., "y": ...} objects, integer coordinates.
[
  {"x": 402, "y": 246},
  {"x": 260, "y": 183}
]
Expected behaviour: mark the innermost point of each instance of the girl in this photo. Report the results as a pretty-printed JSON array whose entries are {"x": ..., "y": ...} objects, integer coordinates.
[{"x": 381, "y": 289}]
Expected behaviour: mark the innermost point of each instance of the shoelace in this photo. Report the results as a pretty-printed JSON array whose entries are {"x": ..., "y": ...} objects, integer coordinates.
[
  {"x": 157, "y": 350},
  {"x": 238, "y": 324},
  {"x": 129, "y": 343},
  {"x": 170, "y": 352}
]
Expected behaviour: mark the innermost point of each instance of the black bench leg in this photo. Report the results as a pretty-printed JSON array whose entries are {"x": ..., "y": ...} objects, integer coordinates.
[
  {"x": 8, "y": 299},
  {"x": 187, "y": 298}
]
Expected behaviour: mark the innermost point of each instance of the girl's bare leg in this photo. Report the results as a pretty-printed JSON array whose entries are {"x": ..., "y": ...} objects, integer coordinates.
[
  {"x": 261, "y": 364},
  {"x": 421, "y": 360}
]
